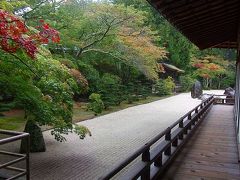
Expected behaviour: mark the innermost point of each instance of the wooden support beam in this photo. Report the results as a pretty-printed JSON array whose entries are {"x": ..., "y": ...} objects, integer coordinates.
[{"x": 237, "y": 92}]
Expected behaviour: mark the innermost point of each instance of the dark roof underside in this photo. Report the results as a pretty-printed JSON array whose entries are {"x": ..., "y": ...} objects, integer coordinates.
[{"x": 207, "y": 23}]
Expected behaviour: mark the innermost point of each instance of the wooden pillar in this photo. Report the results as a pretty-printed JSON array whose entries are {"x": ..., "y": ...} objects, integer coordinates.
[{"x": 237, "y": 93}]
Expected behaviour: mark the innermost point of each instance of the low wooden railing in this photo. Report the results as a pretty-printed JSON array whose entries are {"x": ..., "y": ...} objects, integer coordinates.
[
  {"x": 19, "y": 172},
  {"x": 150, "y": 161},
  {"x": 223, "y": 99}
]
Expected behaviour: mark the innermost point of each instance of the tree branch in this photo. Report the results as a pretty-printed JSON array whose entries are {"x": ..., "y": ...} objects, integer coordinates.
[
  {"x": 104, "y": 52},
  {"x": 25, "y": 64},
  {"x": 97, "y": 40}
]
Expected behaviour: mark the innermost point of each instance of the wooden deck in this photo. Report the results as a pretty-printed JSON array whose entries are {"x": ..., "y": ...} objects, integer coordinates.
[{"x": 211, "y": 153}]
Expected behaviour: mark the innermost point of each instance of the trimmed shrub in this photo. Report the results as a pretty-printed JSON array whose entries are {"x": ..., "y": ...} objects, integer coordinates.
[
  {"x": 96, "y": 104},
  {"x": 165, "y": 86},
  {"x": 111, "y": 91},
  {"x": 186, "y": 83}
]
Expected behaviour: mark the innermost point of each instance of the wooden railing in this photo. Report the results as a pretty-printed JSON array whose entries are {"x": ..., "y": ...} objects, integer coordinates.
[
  {"x": 18, "y": 172},
  {"x": 151, "y": 160},
  {"x": 223, "y": 99}
]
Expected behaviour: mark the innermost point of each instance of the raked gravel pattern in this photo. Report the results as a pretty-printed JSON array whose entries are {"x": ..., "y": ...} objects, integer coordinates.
[{"x": 114, "y": 137}]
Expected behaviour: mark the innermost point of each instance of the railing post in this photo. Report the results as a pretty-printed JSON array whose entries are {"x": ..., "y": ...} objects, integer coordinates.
[
  {"x": 175, "y": 142},
  {"x": 196, "y": 110},
  {"x": 189, "y": 118},
  {"x": 168, "y": 138},
  {"x": 196, "y": 117},
  {"x": 186, "y": 128},
  {"x": 181, "y": 126},
  {"x": 201, "y": 107},
  {"x": 146, "y": 158},
  {"x": 28, "y": 158},
  {"x": 158, "y": 162}
]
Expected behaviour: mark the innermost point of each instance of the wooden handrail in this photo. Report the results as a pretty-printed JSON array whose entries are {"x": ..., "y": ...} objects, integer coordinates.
[
  {"x": 152, "y": 158},
  {"x": 15, "y": 136},
  {"x": 225, "y": 101}
]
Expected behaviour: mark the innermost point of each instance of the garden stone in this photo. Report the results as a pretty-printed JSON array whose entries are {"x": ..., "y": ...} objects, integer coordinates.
[
  {"x": 229, "y": 92},
  {"x": 196, "y": 90},
  {"x": 37, "y": 143},
  {"x": 230, "y": 95}
]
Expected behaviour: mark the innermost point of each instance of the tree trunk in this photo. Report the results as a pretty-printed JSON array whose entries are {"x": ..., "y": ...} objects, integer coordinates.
[
  {"x": 219, "y": 81},
  {"x": 37, "y": 143},
  {"x": 210, "y": 84},
  {"x": 207, "y": 83}
]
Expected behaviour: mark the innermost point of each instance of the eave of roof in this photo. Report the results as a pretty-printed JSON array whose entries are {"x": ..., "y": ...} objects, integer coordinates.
[
  {"x": 206, "y": 23},
  {"x": 170, "y": 67}
]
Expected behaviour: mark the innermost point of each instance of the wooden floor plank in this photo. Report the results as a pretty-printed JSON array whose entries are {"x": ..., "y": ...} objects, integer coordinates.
[
  {"x": 211, "y": 152},
  {"x": 209, "y": 163}
]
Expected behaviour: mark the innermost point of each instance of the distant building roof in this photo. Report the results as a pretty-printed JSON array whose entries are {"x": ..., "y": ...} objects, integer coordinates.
[
  {"x": 21, "y": 11},
  {"x": 163, "y": 66}
]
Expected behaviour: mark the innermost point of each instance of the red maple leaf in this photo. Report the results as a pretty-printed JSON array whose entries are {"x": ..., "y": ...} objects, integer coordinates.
[{"x": 15, "y": 35}]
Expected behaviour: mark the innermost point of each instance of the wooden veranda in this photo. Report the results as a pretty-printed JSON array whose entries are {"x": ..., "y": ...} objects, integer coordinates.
[
  {"x": 211, "y": 153},
  {"x": 195, "y": 147},
  {"x": 208, "y": 24}
]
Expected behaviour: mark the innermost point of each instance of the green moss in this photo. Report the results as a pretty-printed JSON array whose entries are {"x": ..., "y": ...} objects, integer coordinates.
[{"x": 12, "y": 123}]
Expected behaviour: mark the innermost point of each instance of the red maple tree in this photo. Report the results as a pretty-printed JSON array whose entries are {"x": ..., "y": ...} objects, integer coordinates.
[{"x": 14, "y": 34}]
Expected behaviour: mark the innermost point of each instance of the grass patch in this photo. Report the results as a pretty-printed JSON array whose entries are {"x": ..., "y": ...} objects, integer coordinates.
[
  {"x": 80, "y": 112},
  {"x": 12, "y": 123}
]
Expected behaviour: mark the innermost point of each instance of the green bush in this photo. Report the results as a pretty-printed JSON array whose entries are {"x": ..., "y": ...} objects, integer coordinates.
[
  {"x": 186, "y": 83},
  {"x": 130, "y": 94},
  {"x": 91, "y": 74},
  {"x": 228, "y": 80},
  {"x": 135, "y": 91},
  {"x": 145, "y": 90},
  {"x": 96, "y": 104},
  {"x": 164, "y": 86},
  {"x": 111, "y": 91}
]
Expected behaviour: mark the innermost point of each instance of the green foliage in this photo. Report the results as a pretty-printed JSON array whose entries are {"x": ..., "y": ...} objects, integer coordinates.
[
  {"x": 137, "y": 90},
  {"x": 81, "y": 131},
  {"x": 225, "y": 81},
  {"x": 109, "y": 49},
  {"x": 110, "y": 90},
  {"x": 91, "y": 74},
  {"x": 12, "y": 5},
  {"x": 103, "y": 31},
  {"x": 44, "y": 89},
  {"x": 186, "y": 82},
  {"x": 130, "y": 93},
  {"x": 164, "y": 86},
  {"x": 96, "y": 104}
]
